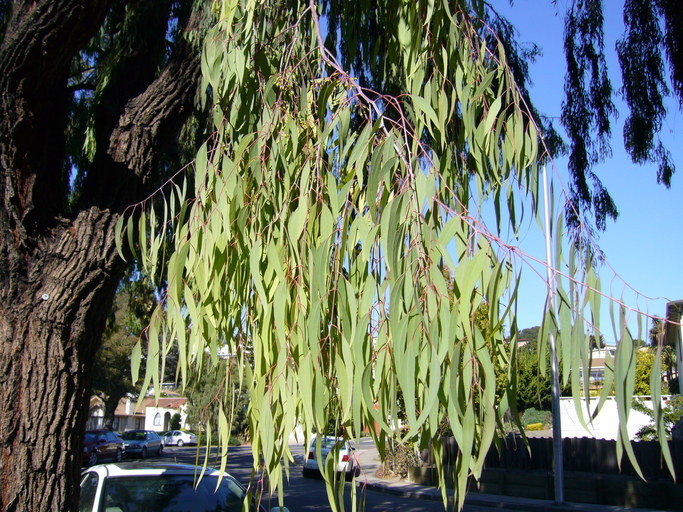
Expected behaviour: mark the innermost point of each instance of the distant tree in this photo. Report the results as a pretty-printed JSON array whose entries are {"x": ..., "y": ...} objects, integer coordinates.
[
  {"x": 216, "y": 386},
  {"x": 645, "y": 358},
  {"x": 528, "y": 335},
  {"x": 130, "y": 314},
  {"x": 597, "y": 341},
  {"x": 669, "y": 363},
  {"x": 656, "y": 333},
  {"x": 533, "y": 389},
  {"x": 175, "y": 423}
]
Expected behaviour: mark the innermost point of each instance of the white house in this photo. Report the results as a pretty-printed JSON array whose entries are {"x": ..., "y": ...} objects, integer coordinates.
[
  {"x": 158, "y": 414},
  {"x": 149, "y": 415}
]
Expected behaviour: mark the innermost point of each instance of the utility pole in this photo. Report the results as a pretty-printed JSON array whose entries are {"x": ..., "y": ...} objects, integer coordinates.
[
  {"x": 558, "y": 459},
  {"x": 673, "y": 334}
]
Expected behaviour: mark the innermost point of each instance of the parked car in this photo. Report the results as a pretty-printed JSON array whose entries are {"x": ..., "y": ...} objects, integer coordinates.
[
  {"x": 344, "y": 453},
  {"x": 99, "y": 445},
  {"x": 142, "y": 443},
  {"x": 178, "y": 438},
  {"x": 160, "y": 487}
]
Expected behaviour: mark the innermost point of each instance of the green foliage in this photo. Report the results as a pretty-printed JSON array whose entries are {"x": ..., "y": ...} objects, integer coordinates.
[
  {"x": 528, "y": 335},
  {"x": 332, "y": 272},
  {"x": 533, "y": 387},
  {"x": 645, "y": 359},
  {"x": 671, "y": 414},
  {"x": 133, "y": 305},
  {"x": 175, "y": 423},
  {"x": 535, "y": 417},
  {"x": 211, "y": 391},
  {"x": 324, "y": 220},
  {"x": 641, "y": 53}
]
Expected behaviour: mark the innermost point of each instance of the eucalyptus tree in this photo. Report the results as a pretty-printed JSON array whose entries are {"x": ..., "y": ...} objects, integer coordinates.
[
  {"x": 350, "y": 147},
  {"x": 352, "y": 150}
]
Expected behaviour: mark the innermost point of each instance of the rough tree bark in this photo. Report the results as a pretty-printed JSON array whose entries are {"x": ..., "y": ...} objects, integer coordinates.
[{"x": 58, "y": 267}]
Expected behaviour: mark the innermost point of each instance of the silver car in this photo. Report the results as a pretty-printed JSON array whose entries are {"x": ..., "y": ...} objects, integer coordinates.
[{"x": 142, "y": 443}]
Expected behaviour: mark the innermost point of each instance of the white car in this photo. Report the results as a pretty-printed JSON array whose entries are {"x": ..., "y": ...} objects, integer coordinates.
[
  {"x": 160, "y": 487},
  {"x": 344, "y": 453},
  {"x": 178, "y": 438}
]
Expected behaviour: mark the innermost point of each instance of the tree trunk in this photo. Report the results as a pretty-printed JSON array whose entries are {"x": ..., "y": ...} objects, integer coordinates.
[
  {"x": 110, "y": 405},
  {"x": 49, "y": 329},
  {"x": 58, "y": 264}
]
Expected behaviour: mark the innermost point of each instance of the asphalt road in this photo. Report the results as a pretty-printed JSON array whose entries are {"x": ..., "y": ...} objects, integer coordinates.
[{"x": 309, "y": 494}]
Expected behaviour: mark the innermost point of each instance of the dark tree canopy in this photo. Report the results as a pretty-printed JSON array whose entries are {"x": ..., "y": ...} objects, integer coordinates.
[{"x": 651, "y": 44}]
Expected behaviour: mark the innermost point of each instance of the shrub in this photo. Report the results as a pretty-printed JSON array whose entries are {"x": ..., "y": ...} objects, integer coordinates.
[
  {"x": 532, "y": 416},
  {"x": 672, "y": 412},
  {"x": 535, "y": 426},
  {"x": 234, "y": 440},
  {"x": 399, "y": 459},
  {"x": 175, "y": 422}
]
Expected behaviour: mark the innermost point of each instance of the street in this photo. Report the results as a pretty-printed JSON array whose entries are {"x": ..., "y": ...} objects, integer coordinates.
[{"x": 309, "y": 494}]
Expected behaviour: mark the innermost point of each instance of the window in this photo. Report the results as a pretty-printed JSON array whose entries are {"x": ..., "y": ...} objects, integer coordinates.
[
  {"x": 88, "y": 491},
  {"x": 157, "y": 420},
  {"x": 174, "y": 493}
]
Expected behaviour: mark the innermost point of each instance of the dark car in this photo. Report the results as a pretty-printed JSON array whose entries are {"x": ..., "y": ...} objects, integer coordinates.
[
  {"x": 142, "y": 443},
  {"x": 100, "y": 445}
]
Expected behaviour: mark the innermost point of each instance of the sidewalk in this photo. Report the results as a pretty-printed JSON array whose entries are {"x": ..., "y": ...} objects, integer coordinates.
[{"x": 369, "y": 463}]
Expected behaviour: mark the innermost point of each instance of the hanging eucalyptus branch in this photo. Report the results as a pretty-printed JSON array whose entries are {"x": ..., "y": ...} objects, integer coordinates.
[{"x": 333, "y": 242}]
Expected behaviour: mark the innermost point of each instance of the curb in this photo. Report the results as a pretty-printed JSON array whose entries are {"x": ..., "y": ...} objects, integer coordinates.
[
  {"x": 402, "y": 490},
  {"x": 415, "y": 491}
]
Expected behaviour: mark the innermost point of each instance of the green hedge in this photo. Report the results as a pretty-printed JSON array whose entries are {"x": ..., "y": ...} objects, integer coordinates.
[{"x": 532, "y": 416}]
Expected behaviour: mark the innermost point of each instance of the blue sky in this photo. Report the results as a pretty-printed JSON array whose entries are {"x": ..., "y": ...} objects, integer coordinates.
[{"x": 644, "y": 245}]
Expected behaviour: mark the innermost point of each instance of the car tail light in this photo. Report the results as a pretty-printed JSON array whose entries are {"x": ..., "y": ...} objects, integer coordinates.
[
  {"x": 345, "y": 458},
  {"x": 311, "y": 456}
]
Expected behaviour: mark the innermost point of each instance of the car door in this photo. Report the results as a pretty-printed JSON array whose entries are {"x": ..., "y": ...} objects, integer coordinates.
[
  {"x": 113, "y": 443},
  {"x": 153, "y": 442},
  {"x": 103, "y": 447}
]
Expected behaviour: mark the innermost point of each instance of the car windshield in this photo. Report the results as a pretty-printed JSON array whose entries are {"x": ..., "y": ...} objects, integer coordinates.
[
  {"x": 90, "y": 437},
  {"x": 172, "y": 493},
  {"x": 327, "y": 443},
  {"x": 134, "y": 436}
]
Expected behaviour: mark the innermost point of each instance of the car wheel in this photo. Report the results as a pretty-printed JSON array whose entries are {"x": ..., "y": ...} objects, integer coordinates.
[
  {"x": 180, "y": 443},
  {"x": 119, "y": 455},
  {"x": 92, "y": 458},
  {"x": 143, "y": 453}
]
